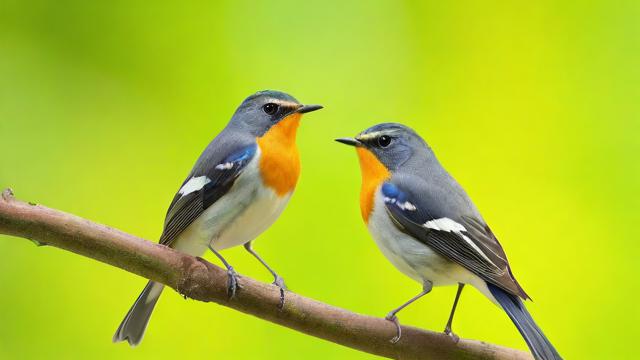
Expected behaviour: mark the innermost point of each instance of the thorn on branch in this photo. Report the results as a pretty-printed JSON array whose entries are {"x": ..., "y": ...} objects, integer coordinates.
[
  {"x": 7, "y": 195},
  {"x": 38, "y": 243}
]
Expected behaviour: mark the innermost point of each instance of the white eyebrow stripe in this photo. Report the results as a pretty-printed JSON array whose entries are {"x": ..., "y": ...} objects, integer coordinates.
[
  {"x": 448, "y": 225},
  {"x": 284, "y": 103},
  {"x": 194, "y": 184},
  {"x": 369, "y": 136},
  {"x": 376, "y": 134}
]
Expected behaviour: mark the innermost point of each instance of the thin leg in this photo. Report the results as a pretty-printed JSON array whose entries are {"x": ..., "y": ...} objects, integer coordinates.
[
  {"x": 277, "y": 280},
  {"x": 447, "y": 329},
  {"x": 232, "y": 284},
  {"x": 426, "y": 288}
]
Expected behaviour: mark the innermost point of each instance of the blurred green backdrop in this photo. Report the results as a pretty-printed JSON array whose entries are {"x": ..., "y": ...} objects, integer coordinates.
[{"x": 534, "y": 107}]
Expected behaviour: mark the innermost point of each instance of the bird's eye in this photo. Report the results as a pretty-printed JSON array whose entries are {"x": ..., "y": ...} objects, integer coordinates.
[
  {"x": 384, "y": 141},
  {"x": 270, "y": 108}
]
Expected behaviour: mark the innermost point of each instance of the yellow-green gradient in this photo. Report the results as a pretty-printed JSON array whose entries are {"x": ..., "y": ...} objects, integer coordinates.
[{"x": 534, "y": 108}]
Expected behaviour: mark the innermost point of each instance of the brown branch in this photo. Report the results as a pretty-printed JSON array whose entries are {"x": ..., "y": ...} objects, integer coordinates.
[{"x": 200, "y": 280}]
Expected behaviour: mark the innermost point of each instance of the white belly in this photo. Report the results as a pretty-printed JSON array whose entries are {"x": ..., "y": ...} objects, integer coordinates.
[
  {"x": 264, "y": 210},
  {"x": 247, "y": 210},
  {"x": 412, "y": 257}
]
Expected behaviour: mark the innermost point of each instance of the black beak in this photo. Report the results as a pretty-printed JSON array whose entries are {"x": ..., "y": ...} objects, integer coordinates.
[
  {"x": 308, "y": 108},
  {"x": 349, "y": 141}
]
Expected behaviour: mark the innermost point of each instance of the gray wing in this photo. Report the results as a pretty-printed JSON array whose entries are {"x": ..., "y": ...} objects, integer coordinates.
[
  {"x": 445, "y": 220},
  {"x": 210, "y": 179}
]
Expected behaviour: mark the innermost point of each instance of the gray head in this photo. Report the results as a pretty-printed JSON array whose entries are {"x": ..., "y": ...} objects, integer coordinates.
[
  {"x": 393, "y": 145},
  {"x": 264, "y": 109}
]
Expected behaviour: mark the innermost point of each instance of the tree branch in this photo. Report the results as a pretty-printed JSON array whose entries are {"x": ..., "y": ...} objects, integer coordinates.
[{"x": 200, "y": 280}]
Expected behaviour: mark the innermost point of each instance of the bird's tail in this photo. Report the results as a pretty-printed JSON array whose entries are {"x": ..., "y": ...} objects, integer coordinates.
[
  {"x": 135, "y": 322},
  {"x": 539, "y": 345}
]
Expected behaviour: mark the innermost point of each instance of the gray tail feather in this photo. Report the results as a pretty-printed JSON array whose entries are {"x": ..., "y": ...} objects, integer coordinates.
[
  {"x": 540, "y": 346},
  {"x": 135, "y": 322}
]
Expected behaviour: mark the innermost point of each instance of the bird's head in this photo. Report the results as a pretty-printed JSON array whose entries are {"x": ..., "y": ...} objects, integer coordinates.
[
  {"x": 269, "y": 110},
  {"x": 387, "y": 145}
]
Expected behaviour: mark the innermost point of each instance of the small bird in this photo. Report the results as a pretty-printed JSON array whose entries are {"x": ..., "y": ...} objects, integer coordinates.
[
  {"x": 427, "y": 227},
  {"x": 238, "y": 187}
]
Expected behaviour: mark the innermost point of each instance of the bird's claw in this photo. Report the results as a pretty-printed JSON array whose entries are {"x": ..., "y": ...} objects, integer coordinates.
[
  {"x": 279, "y": 282},
  {"x": 450, "y": 333},
  {"x": 232, "y": 283},
  {"x": 394, "y": 319}
]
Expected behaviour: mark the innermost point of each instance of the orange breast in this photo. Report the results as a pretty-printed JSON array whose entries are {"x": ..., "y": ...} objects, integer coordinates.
[
  {"x": 280, "y": 160},
  {"x": 374, "y": 173}
]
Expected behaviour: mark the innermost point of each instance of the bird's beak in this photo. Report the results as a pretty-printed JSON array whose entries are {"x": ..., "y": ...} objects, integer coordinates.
[
  {"x": 349, "y": 141},
  {"x": 308, "y": 108}
]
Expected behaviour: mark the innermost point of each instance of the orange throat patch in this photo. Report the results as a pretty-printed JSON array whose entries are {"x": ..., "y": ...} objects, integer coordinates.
[
  {"x": 374, "y": 173},
  {"x": 280, "y": 159}
]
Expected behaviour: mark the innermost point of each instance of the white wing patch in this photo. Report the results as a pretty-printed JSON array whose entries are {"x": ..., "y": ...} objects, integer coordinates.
[
  {"x": 224, "y": 166},
  {"x": 194, "y": 184},
  {"x": 445, "y": 224},
  {"x": 402, "y": 205},
  {"x": 448, "y": 225}
]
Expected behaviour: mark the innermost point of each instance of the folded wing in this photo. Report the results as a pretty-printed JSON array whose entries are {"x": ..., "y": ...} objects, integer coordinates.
[
  {"x": 202, "y": 189},
  {"x": 450, "y": 230}
]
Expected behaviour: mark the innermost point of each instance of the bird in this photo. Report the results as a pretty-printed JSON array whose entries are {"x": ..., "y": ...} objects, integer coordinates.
[
  {"x": 426, "y": 225},
  {"x": 237, "y": 188}
]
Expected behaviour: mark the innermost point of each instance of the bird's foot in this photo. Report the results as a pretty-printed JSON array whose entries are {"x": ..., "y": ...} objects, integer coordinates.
[
  {"x": 394, "y": 319},
  {"x": 279, "y": 282},
  {"x": 450, "y": 333},
  {"x": 232, "y": 282}
]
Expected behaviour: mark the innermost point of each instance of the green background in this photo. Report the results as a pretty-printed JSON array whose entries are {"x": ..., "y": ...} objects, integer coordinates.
[{"x": 534, "y": 108}]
